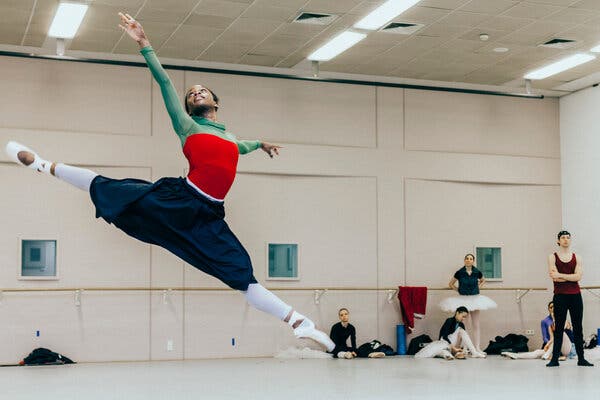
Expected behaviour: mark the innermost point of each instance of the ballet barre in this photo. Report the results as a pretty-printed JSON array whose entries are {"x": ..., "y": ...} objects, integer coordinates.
[
  {"x": 590, "y": 290},
  {"x": 318, "y": 291},
  {"x": 166, "y": 291}
]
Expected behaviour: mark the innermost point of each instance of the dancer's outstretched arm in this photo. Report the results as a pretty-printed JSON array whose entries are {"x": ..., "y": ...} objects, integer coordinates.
[
  {"x": 247, "y": 146},
  {"x": 182, "y": 122}
]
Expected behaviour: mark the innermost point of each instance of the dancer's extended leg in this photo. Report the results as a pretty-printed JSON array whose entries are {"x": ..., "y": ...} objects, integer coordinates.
[
  {"x": 531, "y": 355},
  {"x": 78, "y": 177},
  {"x": 264, "y": 300},
  {"x": 256, "y": 294}
]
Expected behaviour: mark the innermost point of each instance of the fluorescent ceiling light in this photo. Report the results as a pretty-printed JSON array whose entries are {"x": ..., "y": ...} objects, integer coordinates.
[
  {"x": 337, "y": 45},
  {"x": 67, "y": 20},
  {"x": 384, "y": 13},
  {"x": 595, "y": 49},
  {"x": 560, "y": 66}
]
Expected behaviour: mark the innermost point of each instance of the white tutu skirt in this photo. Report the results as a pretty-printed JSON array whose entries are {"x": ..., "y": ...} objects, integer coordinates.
[
  {"x": 433, "y": 349},
  {"x": 475, "y": 302}
]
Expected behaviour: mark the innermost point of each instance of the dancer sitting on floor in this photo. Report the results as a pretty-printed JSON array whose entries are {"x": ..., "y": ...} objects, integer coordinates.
[
  {"x": 549, "y": 321},
  {"x": 453, "y": 337},
  {"x": 545, "y": 353},
  {"x": 185, "y": 216},
  {"x": 340, "y": 333}
]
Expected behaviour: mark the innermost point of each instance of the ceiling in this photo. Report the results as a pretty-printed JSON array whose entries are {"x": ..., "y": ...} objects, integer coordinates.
[{"x": 261, "y": 33}]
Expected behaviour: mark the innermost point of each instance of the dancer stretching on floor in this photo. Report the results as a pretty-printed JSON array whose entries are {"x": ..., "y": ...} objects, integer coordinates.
[
  {"x": 184, "y": 216},
  {"x": 453, "y": 337},
  {"x": 545, "y": 353}
]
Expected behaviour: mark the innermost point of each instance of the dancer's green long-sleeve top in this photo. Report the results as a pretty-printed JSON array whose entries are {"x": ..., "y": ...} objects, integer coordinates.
[{"x": 211, "y": 151}]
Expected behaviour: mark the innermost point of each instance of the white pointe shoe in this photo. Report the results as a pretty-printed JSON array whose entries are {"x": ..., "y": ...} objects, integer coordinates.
[
  {"x": 478, "y": 355},
  {"x": 307, "y": 330},
  {"x": 13, "y": 149}
]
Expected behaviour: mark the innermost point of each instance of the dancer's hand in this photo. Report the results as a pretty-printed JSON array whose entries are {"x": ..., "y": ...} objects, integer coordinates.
[
  {"x": 554, "y": 274},
  {"x": 134, "y": 29},
  {"x": 547, "y": 346},
  {"x": 270, "y": 149}
]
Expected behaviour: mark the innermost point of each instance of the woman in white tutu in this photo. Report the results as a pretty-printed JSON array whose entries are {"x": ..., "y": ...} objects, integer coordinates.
[
  {"x": 469, "y": 279},
  {"x": 453, "y": 337}
]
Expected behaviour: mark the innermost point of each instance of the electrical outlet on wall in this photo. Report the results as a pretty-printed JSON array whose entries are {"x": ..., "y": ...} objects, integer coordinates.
[
  {"x": 529, "y": 332},
  {"x": 170, "y": 345}
]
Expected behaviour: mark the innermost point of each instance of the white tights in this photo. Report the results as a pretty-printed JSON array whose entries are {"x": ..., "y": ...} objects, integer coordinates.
[
  {"x": 459, "y": 338},
  {"x": 264, "y": 300},
  {"x": 475, "y": 329},
  {"x": 79, "y": 177}
]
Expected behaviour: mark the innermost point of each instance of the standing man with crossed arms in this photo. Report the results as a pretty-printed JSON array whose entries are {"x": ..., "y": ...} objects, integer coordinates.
[{"x": 565, "y": 269}]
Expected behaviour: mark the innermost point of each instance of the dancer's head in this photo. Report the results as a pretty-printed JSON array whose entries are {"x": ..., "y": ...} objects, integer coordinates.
[
  {"x": 469, "y": 260},
  {"x": 344, "y": 315},
  {"x": 461, "y": 313},
  {"x": 551, "y": 308},
  {"x": 563, "y": 239},
  {"x": 199, "y": 100}
]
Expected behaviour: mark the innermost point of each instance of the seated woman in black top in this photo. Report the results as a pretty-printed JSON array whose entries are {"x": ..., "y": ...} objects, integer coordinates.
[
  {"x": 453, "y": 337},
  {"x": 340, "y": 333}
]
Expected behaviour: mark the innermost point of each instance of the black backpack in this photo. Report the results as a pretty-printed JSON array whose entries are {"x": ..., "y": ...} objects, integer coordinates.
[
  {"x": 375, "y": 345},
  {"x": 417, "y": 344},
  {"x": 511, "y": 342},
  {"x": 42, "y": 356}
]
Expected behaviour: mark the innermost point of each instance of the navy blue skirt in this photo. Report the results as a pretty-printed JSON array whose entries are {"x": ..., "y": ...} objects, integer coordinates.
[{"x": 171, "y": 214}]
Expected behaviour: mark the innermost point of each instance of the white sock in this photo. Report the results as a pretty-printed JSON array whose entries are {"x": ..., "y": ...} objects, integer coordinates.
[
  {"x": 466, "y": 340},
  {"x": 264, "y": 300},
  {"x": 78, "y": 177},
  {"x": 41, "y": 165}
]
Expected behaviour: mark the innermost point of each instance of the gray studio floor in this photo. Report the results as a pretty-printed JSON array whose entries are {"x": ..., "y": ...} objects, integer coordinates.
[{"x": 269, "y": 378}]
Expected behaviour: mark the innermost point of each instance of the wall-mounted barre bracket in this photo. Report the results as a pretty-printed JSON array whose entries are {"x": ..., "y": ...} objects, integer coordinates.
[
  {"x": 391, "y": 294},
  {"x": 521, "y": 293},
  {"x": 167, "y": 295},
  {"x": 78, "y": 297},
  {"x": 591, "y": 291},
  {"x": 318, "y": 294}
]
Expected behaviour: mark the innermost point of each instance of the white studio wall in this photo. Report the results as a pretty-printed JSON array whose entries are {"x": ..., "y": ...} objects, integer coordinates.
[{"x": 371, "y": 183}]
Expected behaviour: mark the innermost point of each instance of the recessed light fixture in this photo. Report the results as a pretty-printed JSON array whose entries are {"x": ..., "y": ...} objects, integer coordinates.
[
  {"x": 560, "y": 66},
  {"x": 336, "y": 46},
  {"x": 67, "y": 20},
  {"x": 384, "y": 13},
  {"x": 484, "y": 37},
  {"x": 501, "y": 49}
]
